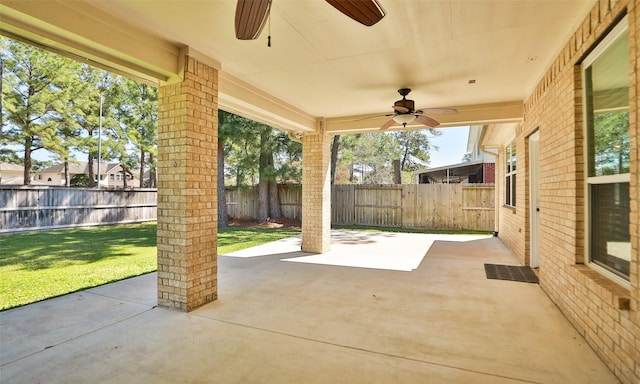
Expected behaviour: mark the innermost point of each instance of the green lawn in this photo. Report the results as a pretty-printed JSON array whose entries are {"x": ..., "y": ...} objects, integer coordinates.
[{"x": 39, "y": 265}]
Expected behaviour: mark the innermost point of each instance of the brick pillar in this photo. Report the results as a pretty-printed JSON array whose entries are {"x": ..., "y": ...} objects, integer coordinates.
[
  {"x": 187, "y": 196},
  {"x": 316, "y": 193}
]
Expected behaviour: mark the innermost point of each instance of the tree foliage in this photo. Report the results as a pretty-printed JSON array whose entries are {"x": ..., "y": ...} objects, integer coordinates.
[
  {"x": 368, "y": 157},
  {"x": 34, "y": 92},
  {"x": 255, "y": 153},
  {"x": 50, "y": 102},
  {"x": 611, "y": 143},
  {"x": 54, "y": 103}
]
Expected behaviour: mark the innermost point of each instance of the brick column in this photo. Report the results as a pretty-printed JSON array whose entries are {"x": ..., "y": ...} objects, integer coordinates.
[
  {"x": 187, "y": 196},
  {"x": 316, "y": 193}
]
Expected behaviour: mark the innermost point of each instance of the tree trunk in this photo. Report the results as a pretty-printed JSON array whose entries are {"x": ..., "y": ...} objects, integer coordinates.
[
  {"x": 92, "y": 182},
  {"x": 223, "y": 217},
  {"x": 27, "y": 162},
  {"x": 263, "y": 177},
  {"x": 263, "y": 201},
  {"x": 263, "y": 190},
  {"x": 274, "y": 201},
  {"x": 351, "y": 172},
  {"x": 397, "y": 175},
  {"x": 335, "y": 146},
  {"x": 152, "y": 173},
  {"x": 124, "y": 176},
  {"x": 67, "y": 181},
  {"x": 142, "y": 153}
]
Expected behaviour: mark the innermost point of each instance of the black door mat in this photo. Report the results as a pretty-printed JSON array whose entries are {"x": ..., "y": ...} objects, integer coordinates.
[{"x": 510, "y": 272}]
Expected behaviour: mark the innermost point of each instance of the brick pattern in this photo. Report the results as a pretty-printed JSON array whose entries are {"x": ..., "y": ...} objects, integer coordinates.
[
  {"x": 604, "y": 312},
  {"x": 187, "y": 197},
  {"x": 489, "y": 175},
  {"x": 316, "y": 193}
]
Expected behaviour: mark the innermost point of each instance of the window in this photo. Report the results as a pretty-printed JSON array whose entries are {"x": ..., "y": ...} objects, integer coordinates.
[
  {"x": 510, "y": 178},
  {"x": 119, "y": 176},
  {"x": 112, "y": 177},
  {"x": 606, "y": 84}
]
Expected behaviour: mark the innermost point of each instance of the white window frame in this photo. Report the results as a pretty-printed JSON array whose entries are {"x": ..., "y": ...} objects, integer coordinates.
[
  {"x": 611, "y": 37},
  {"x": 510, "y": 173}
]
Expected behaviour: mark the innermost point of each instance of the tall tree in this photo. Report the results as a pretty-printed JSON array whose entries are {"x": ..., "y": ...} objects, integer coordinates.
[
  {"x": 67, "y": 138},
  {"x": 335, "y": 147},
  {"x": 373, "y": 154},
  {"x": 265, "y": 173},
  {"x": 228, "y": 123},
  {"x": 138, "y": 112},
  {"x": 97, "y": 105},
  {"x": 31, "y": 88},
  {"x": 415, "y": 147}
]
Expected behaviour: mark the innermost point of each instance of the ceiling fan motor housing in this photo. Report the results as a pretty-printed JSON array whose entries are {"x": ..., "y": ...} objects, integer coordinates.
[{"x": 405, "y": 103}]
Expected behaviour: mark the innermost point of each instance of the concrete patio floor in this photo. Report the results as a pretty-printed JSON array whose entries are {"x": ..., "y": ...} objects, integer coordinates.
[{"x": 389, "y": 317}]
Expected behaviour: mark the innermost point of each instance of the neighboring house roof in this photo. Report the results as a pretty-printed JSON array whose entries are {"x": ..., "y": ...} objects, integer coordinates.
[
  {"x": 82, "y": 167},
  {"x": 18, "y": 180},
  {"x": 11, "y": 167},
  {"x": 454, "y": 173}
]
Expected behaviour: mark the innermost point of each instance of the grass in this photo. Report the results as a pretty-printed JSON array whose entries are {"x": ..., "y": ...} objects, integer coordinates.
[
  {"x": 236, "y": 238},
  {"x": 39, "y": 265}
]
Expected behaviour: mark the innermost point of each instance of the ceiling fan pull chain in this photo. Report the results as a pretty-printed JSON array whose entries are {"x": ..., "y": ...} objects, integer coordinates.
[{"x": 269, "y": 37}]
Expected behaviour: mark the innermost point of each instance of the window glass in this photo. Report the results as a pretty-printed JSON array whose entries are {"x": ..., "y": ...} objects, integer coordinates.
[
  {"x": 610, "y": 246},
  {"x": 606, "y": 83},
  {"x": 607, "y": 86},
  {"x": 510, "y": 177}
]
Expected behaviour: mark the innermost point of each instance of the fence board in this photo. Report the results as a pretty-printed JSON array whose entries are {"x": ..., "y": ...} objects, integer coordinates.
[
  {"x": 342, "y": 204},
  {"x": 29, "y": 208},
  {"x": 378, "y": 205},
  {"x": 435, "y": 206}
]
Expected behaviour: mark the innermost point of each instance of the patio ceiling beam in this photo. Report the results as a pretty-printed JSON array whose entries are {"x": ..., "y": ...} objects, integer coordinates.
[
  {"x": 492, "y": 113},
  {"x": 243, "y": 99},
  {"x": 84, "y": 33}
]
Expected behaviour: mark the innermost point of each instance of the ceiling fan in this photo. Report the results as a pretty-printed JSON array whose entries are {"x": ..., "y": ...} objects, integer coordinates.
[
  {"x": 406, "y": 113},
  {"x": 251, "y": 15}
]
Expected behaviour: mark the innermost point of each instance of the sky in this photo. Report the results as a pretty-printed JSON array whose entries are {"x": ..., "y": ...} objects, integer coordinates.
[{"x": 452, "y": 146}]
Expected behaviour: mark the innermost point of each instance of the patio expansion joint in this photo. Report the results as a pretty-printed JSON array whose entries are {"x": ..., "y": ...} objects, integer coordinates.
[
  {"x": 111, "y": 324},
  {"x": 369, "y": 351}
]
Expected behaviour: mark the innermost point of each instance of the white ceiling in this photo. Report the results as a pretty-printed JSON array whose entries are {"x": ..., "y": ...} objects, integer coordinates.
[{"x": 327, "y": 65}]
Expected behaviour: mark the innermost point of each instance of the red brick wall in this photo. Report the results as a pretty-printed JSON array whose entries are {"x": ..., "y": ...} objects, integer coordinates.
[{"x": 489, "y": 175}]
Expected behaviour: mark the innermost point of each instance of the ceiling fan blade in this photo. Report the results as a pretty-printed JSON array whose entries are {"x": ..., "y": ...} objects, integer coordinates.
[
  {"x": 251, "y": 16},
  {"x": 375, "y": 117},
  {"x": 387, "y": 125},
  {"x": 426, "y": 120},
  {"x": 438, "y": 111},
  {"x": 401, "y": 109},
  {"x": 367, "y": 12}
]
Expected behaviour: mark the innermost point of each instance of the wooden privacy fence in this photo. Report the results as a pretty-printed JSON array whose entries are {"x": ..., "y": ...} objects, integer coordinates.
[
  {"x": 433, "y": 206},
  {"x": 243, "y": 203},
  {"x": 28, "y": 208}
]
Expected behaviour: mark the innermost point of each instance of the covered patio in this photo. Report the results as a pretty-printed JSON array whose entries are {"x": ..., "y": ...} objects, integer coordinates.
[
  {"x": 513, "y": 67},
  {"x": 427, "y": 314}
]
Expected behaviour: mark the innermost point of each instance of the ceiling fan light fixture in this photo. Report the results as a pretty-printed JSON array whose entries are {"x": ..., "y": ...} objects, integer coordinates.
[{"x": 404, "y": 119}]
